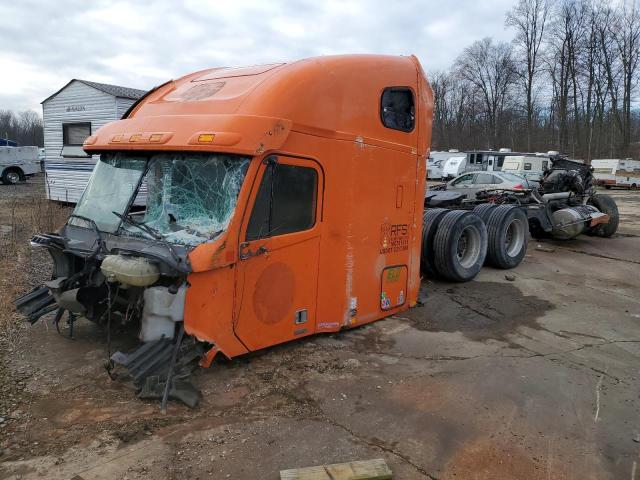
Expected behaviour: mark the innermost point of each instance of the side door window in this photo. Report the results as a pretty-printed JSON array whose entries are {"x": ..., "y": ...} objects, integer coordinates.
[
  {"x": 464, "y": 180},
  {"x": 483, "y": 179},
  {"x": 285, "y": 203}
]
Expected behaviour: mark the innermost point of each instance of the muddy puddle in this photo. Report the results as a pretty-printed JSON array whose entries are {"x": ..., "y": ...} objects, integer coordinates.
[{"x": 479, "y": 310}]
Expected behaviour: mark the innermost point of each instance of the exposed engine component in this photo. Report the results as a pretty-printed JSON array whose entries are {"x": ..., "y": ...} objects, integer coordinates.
[
  {"x": 550, "y": 197},
  {"x": 117, "y": 284},
  {"x": 565, "y": 206},
  {"x": 131, "y": 271},
  {"x": 162, "y": 309},
  {"x": 67, "y": 299},
  {"x": 568, "y": 176}
]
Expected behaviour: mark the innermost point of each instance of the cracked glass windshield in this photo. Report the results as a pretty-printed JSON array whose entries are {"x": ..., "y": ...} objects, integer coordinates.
[
  {"x": 113, "y": 182},
  {"x": 190, "y": 197}
]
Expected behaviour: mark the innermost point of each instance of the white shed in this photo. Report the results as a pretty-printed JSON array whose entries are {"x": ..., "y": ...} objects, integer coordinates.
[{"x": 70, "y": 115}]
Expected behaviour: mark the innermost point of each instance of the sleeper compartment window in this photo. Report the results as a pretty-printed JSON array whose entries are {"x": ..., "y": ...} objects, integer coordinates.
[{"x": 397, "y": 109}]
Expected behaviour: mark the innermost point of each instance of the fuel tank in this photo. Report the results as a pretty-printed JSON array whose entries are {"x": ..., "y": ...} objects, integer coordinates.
[{"x": 572, "y": 221}]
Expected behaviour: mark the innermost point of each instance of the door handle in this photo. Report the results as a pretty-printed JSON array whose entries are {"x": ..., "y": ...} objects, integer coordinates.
[{"x": 246, "y": 254}]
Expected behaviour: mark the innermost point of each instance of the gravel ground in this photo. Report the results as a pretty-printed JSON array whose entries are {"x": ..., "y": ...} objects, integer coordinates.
[{"x": 531, "y": 377}]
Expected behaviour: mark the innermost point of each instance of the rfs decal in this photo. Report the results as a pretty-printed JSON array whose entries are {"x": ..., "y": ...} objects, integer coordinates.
[{"x": 394, "y": 237}]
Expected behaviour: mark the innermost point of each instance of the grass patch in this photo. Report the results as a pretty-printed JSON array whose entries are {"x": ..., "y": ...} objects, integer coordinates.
[{"x": 21, "y": 266}]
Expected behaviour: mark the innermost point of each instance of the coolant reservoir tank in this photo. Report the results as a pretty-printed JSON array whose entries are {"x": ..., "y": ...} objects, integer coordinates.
[{"x": 133, "y": 271}]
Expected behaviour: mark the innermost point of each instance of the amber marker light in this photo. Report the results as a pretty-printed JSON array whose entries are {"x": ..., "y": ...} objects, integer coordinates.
[{"x": 206, "y": 137}]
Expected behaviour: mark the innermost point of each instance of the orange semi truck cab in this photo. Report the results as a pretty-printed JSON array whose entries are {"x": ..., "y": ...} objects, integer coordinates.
[{"x": 282, "y": 200}]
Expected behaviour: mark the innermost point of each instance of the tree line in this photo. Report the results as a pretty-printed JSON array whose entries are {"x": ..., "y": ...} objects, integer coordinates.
[
  {"x": 568, "y": 81},
  {"x": 25, "y": 128}
]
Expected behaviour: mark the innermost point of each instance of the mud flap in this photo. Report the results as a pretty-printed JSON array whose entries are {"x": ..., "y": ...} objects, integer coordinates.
[
  {"x": 35, "y": 304},
  {"x": 148, "y": 367}
]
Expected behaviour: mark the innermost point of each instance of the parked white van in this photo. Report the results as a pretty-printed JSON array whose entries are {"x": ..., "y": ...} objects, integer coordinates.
[
  {"x": 613, "y": 172},
  {"x": 18, "y": 163},
  {"x": 529, "y": 166}
]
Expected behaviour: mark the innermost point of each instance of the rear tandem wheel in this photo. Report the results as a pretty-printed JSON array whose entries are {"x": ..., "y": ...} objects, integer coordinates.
[
  {"x": 460, "y": 246},
  {"x": 508, "y": 230}
]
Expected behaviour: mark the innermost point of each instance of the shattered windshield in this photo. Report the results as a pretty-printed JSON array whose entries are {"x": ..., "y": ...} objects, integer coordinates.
[
  {"x": 191, "y": 197},
  {"x": 113, "y": 182}
]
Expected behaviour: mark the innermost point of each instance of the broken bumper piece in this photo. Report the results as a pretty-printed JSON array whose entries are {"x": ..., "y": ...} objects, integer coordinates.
[
  {"x": 149, "y": 365},
  {"x": 35, "y": 304}
]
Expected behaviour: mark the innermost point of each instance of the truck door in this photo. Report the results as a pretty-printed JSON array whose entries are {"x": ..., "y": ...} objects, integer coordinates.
[{"x": 277, "y": 275}]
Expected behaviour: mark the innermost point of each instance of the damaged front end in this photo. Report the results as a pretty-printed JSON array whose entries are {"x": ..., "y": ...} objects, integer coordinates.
[{"x": 118, "y": 264}]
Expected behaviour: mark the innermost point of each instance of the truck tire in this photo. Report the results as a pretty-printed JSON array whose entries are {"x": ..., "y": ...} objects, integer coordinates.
[
  {"x": 11, "y": 176},
  {"x": 508, "y": 230},
  {"x": 483, "y": 210},
  {"x": 431, "y": 220},
  {"x": 460, "y": 246},
  {"x": 606, "y": 204}
]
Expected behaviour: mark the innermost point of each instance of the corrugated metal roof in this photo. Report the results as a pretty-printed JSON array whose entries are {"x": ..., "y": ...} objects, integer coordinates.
[{"x": 115, "y": 90}]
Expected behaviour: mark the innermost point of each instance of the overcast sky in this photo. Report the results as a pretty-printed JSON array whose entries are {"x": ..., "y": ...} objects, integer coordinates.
[{"x": 44, "y": 44}]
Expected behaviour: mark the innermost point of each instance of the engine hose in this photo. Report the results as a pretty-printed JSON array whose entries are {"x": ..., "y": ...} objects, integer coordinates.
[{"x": 109, "y": 365}]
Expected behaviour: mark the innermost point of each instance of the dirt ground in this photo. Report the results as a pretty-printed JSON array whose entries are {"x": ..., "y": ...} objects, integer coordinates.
[{"x": 535, "y": 377}]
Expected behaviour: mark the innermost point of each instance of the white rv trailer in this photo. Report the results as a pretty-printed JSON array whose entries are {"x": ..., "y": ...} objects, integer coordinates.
[
  {"x": 613, "y": 172},
  {"x": 436, "y": 161},
  {"x": 488, "y": 160},
  {"x": 531, "y": 167},
  {"x": 454, "y": 166},
  {"x": 475, "y": 161},
  {"x": 70, "y": 115}
]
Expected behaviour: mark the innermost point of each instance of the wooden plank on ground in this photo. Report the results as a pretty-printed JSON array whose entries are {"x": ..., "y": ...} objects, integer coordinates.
[{"x": 375, "y": 469}]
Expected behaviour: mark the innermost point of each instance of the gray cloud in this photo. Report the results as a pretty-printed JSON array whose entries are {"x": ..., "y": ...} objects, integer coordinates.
[{"x": 141, "y": 44}]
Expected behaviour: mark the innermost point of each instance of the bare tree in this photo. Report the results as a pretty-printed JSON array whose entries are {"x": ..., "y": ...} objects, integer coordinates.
[
  {"x": 451, "y": 109},
  {"x": 25, "y": 128},
  {"x": 529, "y": 18},
  {"x": 489, "y": 68},
  {"x": 573, "y": 85},
  {"x": 625, "y": 33}
]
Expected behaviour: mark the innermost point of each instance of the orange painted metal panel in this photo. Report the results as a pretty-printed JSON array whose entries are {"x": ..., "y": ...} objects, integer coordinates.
[
  {"x": 209, "y": 309},
  {"x": 321, "y": 111},
  {"x": 283, "y": 279}
]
